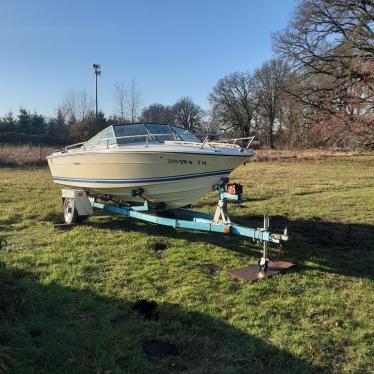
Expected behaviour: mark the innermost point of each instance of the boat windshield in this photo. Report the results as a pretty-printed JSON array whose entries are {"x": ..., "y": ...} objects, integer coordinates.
[
  {"x": 134, "y": 133},
  {"x": 126, "y": 134},
  {"x": 185, "y": 135},
  {"x": 104, "y": 137},
  {"x": 160, "y": 132},
  {"x": 140, "y": 133}
]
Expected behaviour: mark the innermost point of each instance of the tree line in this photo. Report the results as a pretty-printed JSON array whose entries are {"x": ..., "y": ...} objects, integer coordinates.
[
  {"x": 76, "y": 121},
  {"x": 318, "y": 91}
]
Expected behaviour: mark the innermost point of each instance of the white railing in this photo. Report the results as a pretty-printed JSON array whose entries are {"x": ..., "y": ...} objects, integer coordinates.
[
  {"x": 153, "y": 137},
  {"x": 249, "y": 138}
]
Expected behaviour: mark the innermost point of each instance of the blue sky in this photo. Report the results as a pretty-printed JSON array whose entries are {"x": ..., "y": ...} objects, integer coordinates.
[{"x": 172, "y": 48}]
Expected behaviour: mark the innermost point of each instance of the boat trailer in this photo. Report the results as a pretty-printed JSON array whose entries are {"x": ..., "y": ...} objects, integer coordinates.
[{"x": 78, "y": 205}]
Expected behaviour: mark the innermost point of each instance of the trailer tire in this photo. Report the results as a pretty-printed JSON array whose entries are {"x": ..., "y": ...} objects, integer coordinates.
[{"x": 70, "y": 213}]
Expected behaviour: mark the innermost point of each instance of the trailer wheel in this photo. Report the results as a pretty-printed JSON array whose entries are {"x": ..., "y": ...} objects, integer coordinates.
[{"x": 70, "y": 213}]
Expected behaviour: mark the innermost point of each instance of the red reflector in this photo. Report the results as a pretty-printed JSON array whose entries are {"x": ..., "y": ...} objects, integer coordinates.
[{"x": 234, "y": 189}]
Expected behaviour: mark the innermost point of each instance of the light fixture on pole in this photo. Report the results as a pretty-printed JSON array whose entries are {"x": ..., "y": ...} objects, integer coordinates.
[{"x": 97, "y": 72}]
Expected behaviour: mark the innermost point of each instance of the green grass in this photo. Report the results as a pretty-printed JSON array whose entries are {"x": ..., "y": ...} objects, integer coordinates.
[{"x": 66, "y": 297}]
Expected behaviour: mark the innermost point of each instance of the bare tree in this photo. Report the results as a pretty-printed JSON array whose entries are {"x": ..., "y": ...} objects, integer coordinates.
[
  {"x": 234, "y": 103},
  {"x": 293, "y": 130},
  {"x": 331, "y": 45},
  {"x": 209, "y": 126},
  {"x": 77, "y": 105},
  {"x": 120, "y": 101},
  {"x": 127, "y": 100},
  {"x": 269, "y": 83},
  {"x": 87, "y": 127},
  {"x": 157, "y": 113},
  {"x": 134, "y": 100},
  {"x": 187, "y": 114},
  {"x": 319, "y": 30}
]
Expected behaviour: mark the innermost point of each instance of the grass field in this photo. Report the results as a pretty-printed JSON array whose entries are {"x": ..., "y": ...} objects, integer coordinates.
[{"x": 69, "y": 300}]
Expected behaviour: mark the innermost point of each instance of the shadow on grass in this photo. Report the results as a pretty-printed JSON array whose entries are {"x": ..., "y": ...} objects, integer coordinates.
[
  {"x": 55, "y": 329},
  {"x": 334, "y": 247},
  {"x": 340, "y": 248}
]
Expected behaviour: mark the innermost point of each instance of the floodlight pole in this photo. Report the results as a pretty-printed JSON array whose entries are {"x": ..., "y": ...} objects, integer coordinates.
[
  {"x": 96, "y": 92},
  {"x": 97, "y": 71}
]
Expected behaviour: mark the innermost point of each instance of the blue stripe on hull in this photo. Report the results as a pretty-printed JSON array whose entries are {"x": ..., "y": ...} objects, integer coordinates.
[{"x": 144, "y": 180}]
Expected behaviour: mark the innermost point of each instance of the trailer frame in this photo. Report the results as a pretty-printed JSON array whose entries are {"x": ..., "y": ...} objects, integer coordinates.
[{"x": 79, "y": 205}]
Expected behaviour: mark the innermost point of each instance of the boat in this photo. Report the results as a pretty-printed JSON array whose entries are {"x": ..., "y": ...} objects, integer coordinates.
[{"x": 165, "y": 165}]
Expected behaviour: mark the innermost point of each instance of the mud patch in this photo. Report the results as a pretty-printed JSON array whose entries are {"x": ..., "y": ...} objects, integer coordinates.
[
  {"x": 209, "y": 269},
  {"x": 6, "y": 227},
  {"x": 158, "y": 349},
  {"x": 54, "y": 217},
  {"x": 3, "y": 243},
  {"x": 147, "y": 309},
  {"x": 159, "y": 246},
  {"x": 11, "y": 220},
  {"x": 64, "y": 226}
]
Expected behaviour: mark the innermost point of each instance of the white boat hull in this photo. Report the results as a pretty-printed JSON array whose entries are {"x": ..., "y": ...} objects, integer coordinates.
[{"x": 174, "y": 178}]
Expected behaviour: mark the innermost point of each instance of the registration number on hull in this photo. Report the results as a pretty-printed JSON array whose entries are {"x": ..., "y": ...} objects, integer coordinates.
[{"x": 185, "y": 162}]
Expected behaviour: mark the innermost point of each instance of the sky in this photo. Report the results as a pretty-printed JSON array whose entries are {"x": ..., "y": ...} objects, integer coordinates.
[{"x": 172, "y": 48}]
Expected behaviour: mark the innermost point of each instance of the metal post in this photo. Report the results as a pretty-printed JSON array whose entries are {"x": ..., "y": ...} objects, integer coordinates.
[
  {"x": 265, "y": 244},
  {"x": 97, "y": 71},
  {"x": 96, "y": 93},
  {"x": 263, "y": 261}
]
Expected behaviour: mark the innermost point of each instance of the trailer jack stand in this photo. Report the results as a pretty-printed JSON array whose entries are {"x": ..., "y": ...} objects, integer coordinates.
[
  {"x": 265, "y": 268},
  {"x": 263, "y": 262}
]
